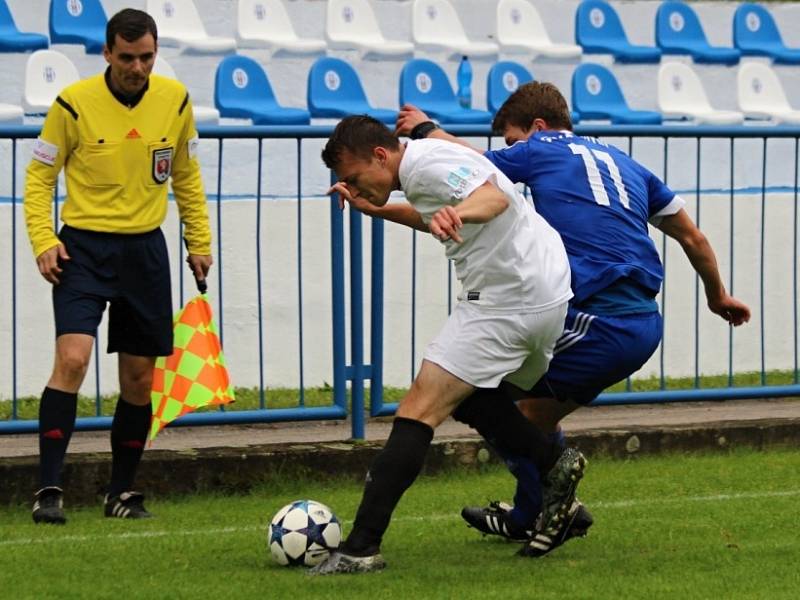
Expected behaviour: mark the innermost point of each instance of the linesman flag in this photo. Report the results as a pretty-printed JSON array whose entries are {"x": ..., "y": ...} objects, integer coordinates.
[{"x": 194, "y": 375}]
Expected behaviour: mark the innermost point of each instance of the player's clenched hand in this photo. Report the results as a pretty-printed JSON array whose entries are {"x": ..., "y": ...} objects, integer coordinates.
[
  {"x": 732, "y": 310},
  {"x": 445, "y": 224},
  {"x": 408, "y": 118},
  {"x": 48, "y": 260}
]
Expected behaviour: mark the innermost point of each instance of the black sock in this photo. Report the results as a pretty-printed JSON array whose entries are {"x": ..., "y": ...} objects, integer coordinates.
[
  {"x": 57, "y": 411},
  {"x": 389, "y": 475},
  {"x": 496, "y": 417},
  {"x": 128, "y": 436}
]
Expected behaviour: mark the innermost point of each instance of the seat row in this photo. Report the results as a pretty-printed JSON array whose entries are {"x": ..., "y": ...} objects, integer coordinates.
[
  {"x": 681, "y": 95},
  {"x": 678, "y": 31},
  {"x": 265, "y": 24},
  {"x": 242, "y": 90},
  {"x": 435, "y": 26}
]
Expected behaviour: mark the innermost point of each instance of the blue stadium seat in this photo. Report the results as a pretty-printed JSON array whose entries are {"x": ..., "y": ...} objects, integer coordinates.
[
  {"x": 678, "y": 31},
  {"x": 12, "y": 39},
  {"x": 598, "y": 30},
  {"x": 503, "y": 80},
  {"x": 424, "y": 84},
  {"x": 242, "y": 90},
  {"x": 335, "y": 91},
  {"x": 755, "y": 34},
  {"x": 597, "y": 95},
  {"x": 78, "y": 22}
]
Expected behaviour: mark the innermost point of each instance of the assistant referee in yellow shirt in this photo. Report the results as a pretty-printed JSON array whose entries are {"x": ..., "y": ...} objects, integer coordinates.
[{"x": 120, "y": 136}]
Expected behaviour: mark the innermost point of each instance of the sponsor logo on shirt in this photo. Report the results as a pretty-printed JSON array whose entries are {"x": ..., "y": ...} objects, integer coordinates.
[
  {"x": 458, "y": 180},
  {"x": 45, "y": 152},
  {"x": 162, "y": 164}
]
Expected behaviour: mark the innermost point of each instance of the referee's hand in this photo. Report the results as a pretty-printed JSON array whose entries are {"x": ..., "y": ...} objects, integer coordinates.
[
  {"x": 199, "y": 264},
  {"x": 48, "y": 261}
]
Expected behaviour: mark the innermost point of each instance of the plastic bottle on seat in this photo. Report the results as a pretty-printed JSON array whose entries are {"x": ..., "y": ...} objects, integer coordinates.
[{"x": 464, "y": 80}]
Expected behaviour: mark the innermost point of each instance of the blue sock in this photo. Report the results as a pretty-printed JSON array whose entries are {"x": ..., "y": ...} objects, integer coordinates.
[{"x": 528, "y": 496}]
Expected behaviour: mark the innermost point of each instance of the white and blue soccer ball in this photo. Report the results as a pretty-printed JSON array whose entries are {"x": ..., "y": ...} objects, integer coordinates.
[{"x": 303, "y": 533}]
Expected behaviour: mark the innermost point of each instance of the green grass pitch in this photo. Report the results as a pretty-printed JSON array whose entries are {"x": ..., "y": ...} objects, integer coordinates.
[{"x": 715, "y": 526}]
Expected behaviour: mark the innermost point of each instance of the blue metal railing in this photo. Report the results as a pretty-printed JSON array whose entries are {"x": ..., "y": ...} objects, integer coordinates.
[{"x": 357, "y": 371}]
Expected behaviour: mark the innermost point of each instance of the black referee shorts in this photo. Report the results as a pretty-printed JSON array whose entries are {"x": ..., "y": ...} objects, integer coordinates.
[{"x": 130, "y": 272}]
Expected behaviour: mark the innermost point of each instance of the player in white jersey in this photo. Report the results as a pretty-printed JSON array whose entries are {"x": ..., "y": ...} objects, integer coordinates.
[{"x": 515, "y": 288}]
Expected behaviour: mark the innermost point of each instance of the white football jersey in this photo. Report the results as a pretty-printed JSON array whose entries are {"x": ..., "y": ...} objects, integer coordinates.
[{"x": 515, "y": 261}]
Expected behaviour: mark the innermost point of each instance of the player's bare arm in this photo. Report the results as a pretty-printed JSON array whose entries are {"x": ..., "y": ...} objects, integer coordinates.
[
  {"x": 481, "y": 206},
  {"x": 48, "y": 262},
  {"x": 410, "y": 116},
  {"x": 699, "y": 252},
  {"x": 401, "y": 213}
]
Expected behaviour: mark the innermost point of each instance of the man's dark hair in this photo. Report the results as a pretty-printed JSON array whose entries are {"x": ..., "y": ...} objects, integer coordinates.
[
  {"x": 358, "y": 135},
  {"x": 533, "y": 100},
  {"x": 130, "y": 24}
]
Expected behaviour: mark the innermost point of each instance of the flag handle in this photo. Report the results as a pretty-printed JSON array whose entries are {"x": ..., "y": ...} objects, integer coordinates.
[{"x": 202, "y": 286}]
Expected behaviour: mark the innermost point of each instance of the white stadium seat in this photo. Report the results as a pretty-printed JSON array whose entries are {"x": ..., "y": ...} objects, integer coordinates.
[
  {"x": 435, "y": 27},
  {"x": 266, "y": 24},
  {"x": 352, "y": 25},
  {"x": 179, "y": 25},
  {"x": 761, "y": 95},
  {"x": 202, "y": 114},
  {"x": 11, "y": 114},
  {"x": 520, "y": 29},
  {"x": 681, "y": 95},
  {"x": 47, "y": 72}
]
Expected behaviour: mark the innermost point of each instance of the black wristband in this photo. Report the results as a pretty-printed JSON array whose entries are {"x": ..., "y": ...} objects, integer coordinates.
[{"x": 423, "y": 130}]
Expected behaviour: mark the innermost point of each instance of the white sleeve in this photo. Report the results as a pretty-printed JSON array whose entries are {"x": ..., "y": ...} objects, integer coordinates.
[{"x": 675, "y": 205}]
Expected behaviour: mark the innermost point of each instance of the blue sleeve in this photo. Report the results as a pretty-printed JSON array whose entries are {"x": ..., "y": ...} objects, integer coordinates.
[
  {"x": 658, "y": 194},
  {"x": 514, "y": 161}
]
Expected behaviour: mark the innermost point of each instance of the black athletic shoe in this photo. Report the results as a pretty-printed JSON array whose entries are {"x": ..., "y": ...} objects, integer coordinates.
[
  {"x": 48, "y": 506},
  {"x": 128, "y": 505},
  {"x": 575, "y": 524},
  {"x": 493, "y": 520},
  {"x": 338, "y": 562}
]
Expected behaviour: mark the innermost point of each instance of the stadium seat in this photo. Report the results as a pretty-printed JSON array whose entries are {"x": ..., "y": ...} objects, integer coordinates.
[
  {"x": 761, "y": 95},
  {"x": 681, "y": 95},
  {"x": 202, "y": 114},
  {"x": 678, "y": 31},
  {"x": 335, "y": 91},
  {"x": 242, "y": 90},
  {"x": 520, "y": 30},
  {"x": 11, "y": 114},
  {"x": 435, "y": 26},
  {"x": 179, "y": 25},
  {"x": 424, "y": 84},
  {"x": 352, "y": 25},
  {"x": 47, "y": 72},
  {"x": 266, "y": 24},
  {"x": 78, "y": 22},
  {"x": 12, "y": 39},
  {"x": 503, "y": 80},
  {"x": 597, "y": 95},
  {"x": 598, "y": 30},
  {"x": 756, "y": 34}
]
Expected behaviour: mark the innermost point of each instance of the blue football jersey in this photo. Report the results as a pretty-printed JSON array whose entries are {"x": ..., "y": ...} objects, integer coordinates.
[{"x": 599, "y": 200}]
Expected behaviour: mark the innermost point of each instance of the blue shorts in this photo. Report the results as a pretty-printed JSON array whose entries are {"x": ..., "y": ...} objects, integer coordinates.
[
  {"x": 597, "y": 351},
  {"x": 130, "y": 273}
]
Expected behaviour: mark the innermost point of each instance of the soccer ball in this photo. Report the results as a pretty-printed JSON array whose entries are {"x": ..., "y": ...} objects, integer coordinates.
[{"x": 303, "y": 533}]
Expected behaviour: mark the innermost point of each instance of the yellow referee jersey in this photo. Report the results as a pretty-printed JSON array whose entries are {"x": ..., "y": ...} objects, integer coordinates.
[{"x": 117, "y": 162}]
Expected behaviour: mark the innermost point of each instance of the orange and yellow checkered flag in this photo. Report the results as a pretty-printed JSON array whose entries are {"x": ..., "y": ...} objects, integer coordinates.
[{"x": 194, "y": 375}]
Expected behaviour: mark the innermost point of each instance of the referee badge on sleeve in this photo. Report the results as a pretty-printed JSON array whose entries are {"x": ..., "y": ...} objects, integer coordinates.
[{"x": 162, "y": 164}]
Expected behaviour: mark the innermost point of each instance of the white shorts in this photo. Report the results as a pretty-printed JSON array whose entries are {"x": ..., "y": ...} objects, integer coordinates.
[{"x": 484, "y": 347}]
